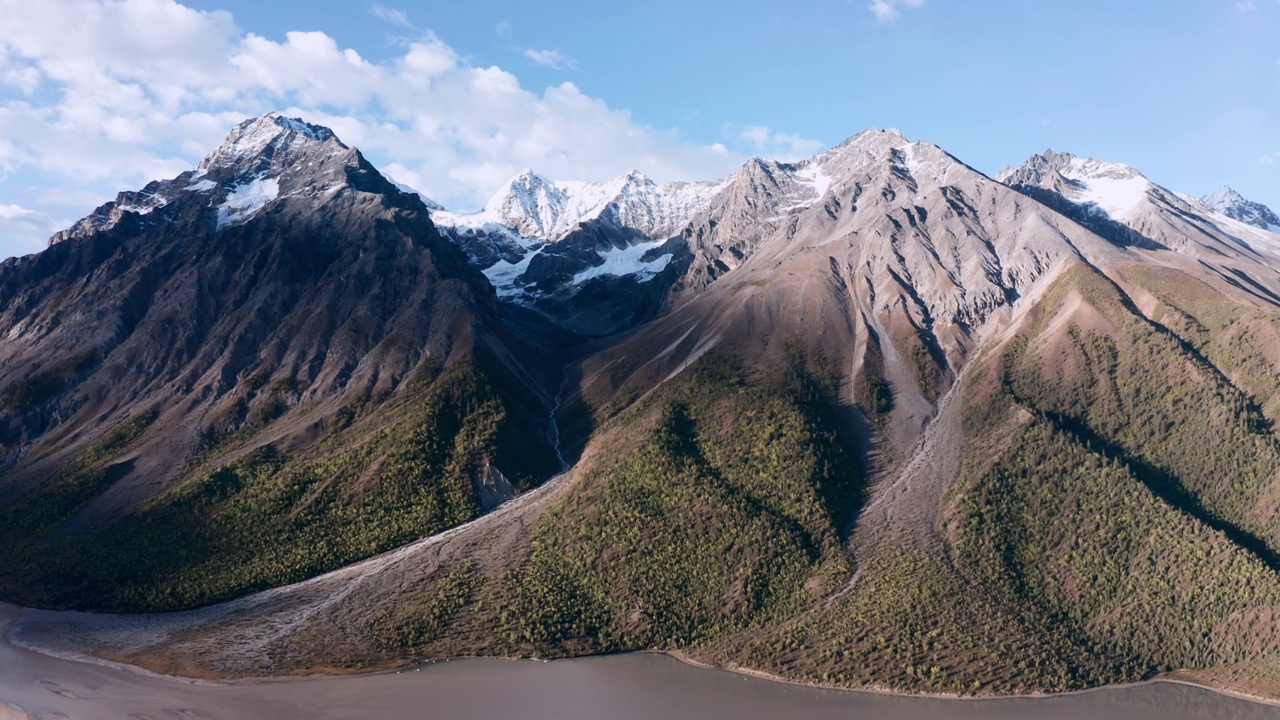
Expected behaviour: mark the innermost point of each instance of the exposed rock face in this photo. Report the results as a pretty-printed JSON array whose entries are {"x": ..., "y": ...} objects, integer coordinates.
[
  {"x": 283, "y": 275},
  {"x": 885, "y": 257}
]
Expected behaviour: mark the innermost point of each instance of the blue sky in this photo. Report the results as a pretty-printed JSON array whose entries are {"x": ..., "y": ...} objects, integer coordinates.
[{"x": 102, "y": 95}]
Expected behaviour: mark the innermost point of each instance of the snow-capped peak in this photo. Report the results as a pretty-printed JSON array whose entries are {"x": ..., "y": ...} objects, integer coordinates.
[
  {"x": 1223, "y": 198},
  {"x": 1228, "y": 202},
  {"x": 538, "y": 208},
  {"x": 1112, "y": 189},
  {"x": 529, "y": 203}
]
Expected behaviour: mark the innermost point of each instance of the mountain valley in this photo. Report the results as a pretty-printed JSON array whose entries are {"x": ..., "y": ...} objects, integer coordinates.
[{"x": 866, "y": 419}]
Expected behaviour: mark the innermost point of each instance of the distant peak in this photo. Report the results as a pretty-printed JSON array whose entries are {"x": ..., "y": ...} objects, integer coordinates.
[
  {"x": 1237, "y": 207},
  {"x": 1223, "y": 196}
]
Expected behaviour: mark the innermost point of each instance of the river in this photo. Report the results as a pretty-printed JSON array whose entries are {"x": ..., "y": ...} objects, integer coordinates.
[{"x": 619, "y": 687}]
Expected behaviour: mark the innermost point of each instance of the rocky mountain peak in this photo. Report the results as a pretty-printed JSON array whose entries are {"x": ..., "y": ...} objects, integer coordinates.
[
  {"x": 873, "y": 138},
  {"x": 260, "y": 139}
]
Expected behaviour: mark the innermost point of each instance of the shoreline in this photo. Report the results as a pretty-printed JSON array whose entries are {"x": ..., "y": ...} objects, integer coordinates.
[
  {"x": 13, "y": 612},
  {"x": 886, "y": 692}
]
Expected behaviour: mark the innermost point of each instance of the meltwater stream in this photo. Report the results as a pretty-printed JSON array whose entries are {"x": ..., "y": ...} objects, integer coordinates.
[{"x": 619, "y": 687}]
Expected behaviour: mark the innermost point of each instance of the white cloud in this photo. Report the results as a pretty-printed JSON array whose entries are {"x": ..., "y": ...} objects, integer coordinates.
[
  {"x": 1246, "y": 6},
  {"x": 24, "y": 231},
  {"x": 124, "y": 91},
  {"x": 13, "y": 212},
  {"x": 552, "y": 58},
  {"x": 1271, "y": 159},
  {"x": 767, "y": 142},
  {"x": 389, "y": 15},
  {"x": 502, "y": 29},
  {"x": 888, "y": 10}
]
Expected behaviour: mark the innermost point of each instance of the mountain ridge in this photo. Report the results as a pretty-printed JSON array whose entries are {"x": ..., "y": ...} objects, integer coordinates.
[{"x": 805, "y": 426}]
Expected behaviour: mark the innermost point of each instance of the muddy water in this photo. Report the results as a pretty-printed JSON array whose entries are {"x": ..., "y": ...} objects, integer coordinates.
[{"x": 623, "y": 687}]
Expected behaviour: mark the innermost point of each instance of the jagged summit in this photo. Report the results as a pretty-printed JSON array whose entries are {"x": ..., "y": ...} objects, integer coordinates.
[
  {"x": 537, "y": 238},
  {"x": 1237, "y": 207},
  {"x": 261, "y": 138},
  {"x": 537, "y": 208}
]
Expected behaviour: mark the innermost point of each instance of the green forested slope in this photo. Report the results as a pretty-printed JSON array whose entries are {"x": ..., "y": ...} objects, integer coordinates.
[{"x": 384, "y": 475}]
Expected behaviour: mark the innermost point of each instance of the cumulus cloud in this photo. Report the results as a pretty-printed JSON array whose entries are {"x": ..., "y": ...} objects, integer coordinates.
[
  {"x": 553, "y": 59},
  {"x": 767, "y": 142},
  {"x": 113, "y": 93},
  {"x": 888, "y": 10}
]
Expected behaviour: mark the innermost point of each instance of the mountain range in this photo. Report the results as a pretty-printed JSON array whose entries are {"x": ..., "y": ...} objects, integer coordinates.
[{"x": 872, "y": 418}]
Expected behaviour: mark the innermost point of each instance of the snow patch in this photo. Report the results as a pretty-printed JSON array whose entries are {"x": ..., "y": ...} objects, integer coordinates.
[
  {"x": 1255, "y": 237},
  {"x": 245, "y": 201},
  {"x": 1116, "y": 197},
  {"x": 202, "y": 186},
  {"x": 812, "y": 176},
  {"x": 144, "y": 203},
  {"x": 1115, "y": 189},
  {"x": 627, "y": 261},
  {"x": 503, "y": 275}
]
